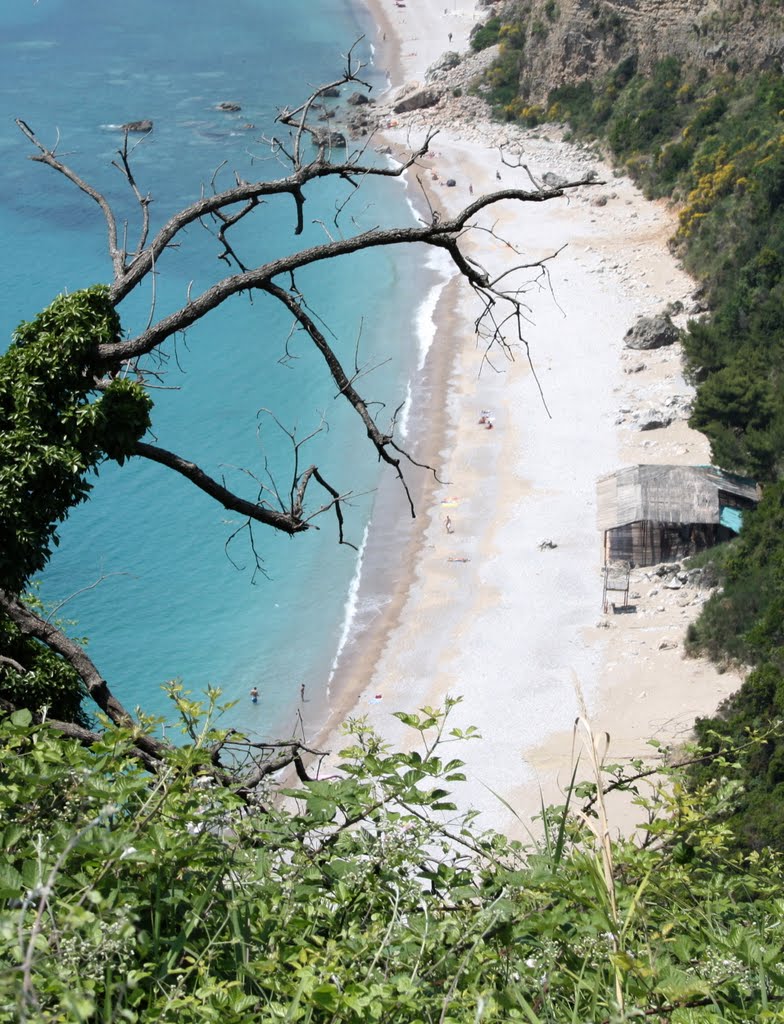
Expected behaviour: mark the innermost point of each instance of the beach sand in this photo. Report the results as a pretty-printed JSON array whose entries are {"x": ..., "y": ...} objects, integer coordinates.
[{"x": 502, "y": 606}]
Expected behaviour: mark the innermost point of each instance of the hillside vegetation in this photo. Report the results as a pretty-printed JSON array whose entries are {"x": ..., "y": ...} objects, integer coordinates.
[
  {"x": 165, "y": 899},
  {"x": 714, "y": 143}
]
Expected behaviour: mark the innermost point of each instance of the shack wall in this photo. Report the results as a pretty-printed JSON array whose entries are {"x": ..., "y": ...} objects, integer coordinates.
[{"x": 648, "y": 543}]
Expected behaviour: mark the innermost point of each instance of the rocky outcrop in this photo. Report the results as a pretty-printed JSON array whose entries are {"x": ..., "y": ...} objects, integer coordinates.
[
  {"x": 328, "y": 137},
  {"x": 674, "y": 408},
  {"x": 136, "y": 126},
  {"x": 651, "y": 332},
  {"x": 446, "y": 63},
  {"x": 575, "y": 40},
  {"x": 427, "y": 97}
]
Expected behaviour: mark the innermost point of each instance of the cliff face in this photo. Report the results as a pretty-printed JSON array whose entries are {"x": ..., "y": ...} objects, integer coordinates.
[{"x": 567, "y": 41}]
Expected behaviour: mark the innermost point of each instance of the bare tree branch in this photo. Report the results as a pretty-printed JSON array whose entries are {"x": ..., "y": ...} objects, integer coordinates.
[
  {"x": 47, "y": 156},
  {"x": 287, "y": 521},
  {"x": 144, "y": 201}
]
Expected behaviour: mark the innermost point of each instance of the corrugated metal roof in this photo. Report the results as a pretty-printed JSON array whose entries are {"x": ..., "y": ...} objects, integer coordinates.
[{"x": 666, "y": 494}]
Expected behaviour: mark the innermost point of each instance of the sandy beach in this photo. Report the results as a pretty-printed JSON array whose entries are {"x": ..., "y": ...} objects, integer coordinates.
[{"x": 499, "y": 595}]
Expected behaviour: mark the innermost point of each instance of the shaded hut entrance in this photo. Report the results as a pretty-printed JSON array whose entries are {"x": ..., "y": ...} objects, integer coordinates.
[{"x": 652, "y": 514}]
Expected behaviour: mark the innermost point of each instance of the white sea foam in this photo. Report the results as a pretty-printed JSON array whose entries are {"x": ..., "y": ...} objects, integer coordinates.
[
  {"x": 405, "y": 412},
  {"x": 350, "y": 609},
  {"x": 438, "y": 262},
  {"x": 425, "y": 328},
  {"x": 35, "y": 44}
]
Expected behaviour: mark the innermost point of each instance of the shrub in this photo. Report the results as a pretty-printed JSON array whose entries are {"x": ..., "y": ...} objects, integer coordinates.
[{"x": 486, "y": 34}]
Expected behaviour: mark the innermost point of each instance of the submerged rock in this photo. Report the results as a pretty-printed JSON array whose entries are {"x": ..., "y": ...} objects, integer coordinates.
[{"x": 136, "y": 126}]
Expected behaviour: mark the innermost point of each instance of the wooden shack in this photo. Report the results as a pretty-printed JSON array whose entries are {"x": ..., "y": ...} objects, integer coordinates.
[{"x": 652, "y": 514}]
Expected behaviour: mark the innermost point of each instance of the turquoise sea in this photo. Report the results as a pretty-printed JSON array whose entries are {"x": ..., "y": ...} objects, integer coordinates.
[{"x": 142, "y": 566}]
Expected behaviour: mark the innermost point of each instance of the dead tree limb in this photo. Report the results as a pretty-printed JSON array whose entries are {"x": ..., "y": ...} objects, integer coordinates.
[{"x": 309, "y": 158}]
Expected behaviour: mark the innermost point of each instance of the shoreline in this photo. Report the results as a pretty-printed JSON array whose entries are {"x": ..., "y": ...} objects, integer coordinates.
[
  {"x": 393, "y": 536},
  {"x": 485, "y": 610}
]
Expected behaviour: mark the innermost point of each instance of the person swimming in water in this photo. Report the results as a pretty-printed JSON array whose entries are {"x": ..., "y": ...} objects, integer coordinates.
[{"x": 254, "y": 695}]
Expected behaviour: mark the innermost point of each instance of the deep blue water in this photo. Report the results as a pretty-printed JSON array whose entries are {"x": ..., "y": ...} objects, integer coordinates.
[{"x": 168, "y": 602}]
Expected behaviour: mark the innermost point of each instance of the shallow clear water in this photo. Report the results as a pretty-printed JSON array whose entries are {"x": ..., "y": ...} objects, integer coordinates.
[{"x": 170, "y": 603}]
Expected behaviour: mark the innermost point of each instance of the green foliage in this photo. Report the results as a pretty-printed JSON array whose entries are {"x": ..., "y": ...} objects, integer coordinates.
[
  {"x": 754, "y": 778},
  {"x": 51, "y": 433},
  {"x": 745, "y": 621},
  {"x": 735, "y": 407},
  {"x": 356, "y": 899},
  {"x": 47, "y": 684},
  {"x": 644, "y": 113},
  {"x": 501, "y": 82},
  {"x": 486, "y": 34}
]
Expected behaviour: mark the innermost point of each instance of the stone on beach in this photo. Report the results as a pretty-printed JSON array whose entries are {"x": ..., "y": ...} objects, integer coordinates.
[{"x": 651, "y": 332}]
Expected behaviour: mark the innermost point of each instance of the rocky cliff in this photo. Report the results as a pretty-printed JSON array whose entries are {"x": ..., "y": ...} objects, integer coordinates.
[{"x": 566, "y": 41}]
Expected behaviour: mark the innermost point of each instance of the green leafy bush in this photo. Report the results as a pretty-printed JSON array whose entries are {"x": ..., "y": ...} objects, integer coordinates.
[
  {"x": 361, "y": 897},
  {"x": 486, "y": 34},
  {"x": 53, "y": 431}
]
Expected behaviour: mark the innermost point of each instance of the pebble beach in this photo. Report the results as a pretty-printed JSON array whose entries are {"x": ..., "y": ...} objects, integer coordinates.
[{"x": 499, "y": 594}]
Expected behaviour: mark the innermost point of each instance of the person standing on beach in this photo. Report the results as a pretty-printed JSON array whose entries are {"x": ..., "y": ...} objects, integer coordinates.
[{"x": 448, "y": 524}]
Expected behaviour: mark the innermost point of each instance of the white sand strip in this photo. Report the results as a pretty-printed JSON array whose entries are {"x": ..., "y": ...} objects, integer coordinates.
[{"x": 491, "y": 615}]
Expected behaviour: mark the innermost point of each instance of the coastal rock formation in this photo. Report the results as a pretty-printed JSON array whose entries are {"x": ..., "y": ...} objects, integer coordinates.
[
  {"x": 136, "y": 126},
  {"x": 427, "y": 97},
  {"x": 577, "y": 40},
  {"x": 228, "y": 107},
  {"x": 328, "y": 137},
  {"x": 443, "y": 66},
  {"x": 651, "y": 332}
]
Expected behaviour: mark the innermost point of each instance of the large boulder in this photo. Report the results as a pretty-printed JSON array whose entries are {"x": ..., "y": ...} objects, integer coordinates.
[
  {"x": 651, "y": 332},
  {"x": 358, "y": 99},
  {"x": 418, "y": 100},
  {"x": 327, "y": 137}
]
